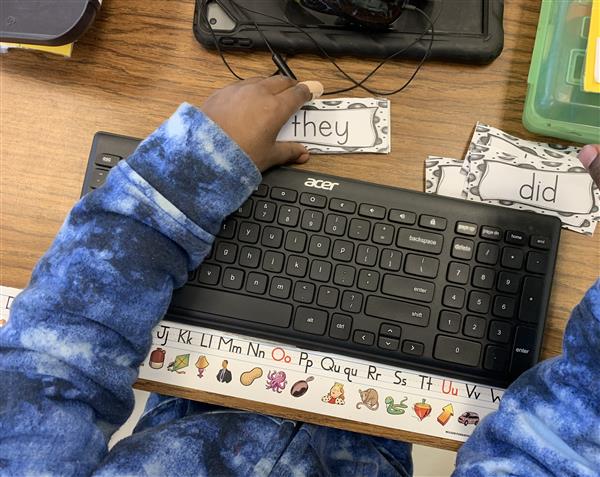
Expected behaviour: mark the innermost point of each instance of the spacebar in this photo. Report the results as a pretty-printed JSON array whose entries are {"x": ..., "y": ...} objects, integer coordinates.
[{"x": 232, "y": 305}]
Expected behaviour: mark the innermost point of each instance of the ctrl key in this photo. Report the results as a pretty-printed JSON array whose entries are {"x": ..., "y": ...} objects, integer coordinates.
[
  {"x": 524, "y": 350},
  {"x": 340, "y": 327}
]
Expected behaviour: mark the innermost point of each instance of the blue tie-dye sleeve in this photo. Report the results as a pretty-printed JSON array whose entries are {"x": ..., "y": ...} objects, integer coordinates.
[
  {"x": 549, "y": 419},
  {"x": 77, "y": 334}
]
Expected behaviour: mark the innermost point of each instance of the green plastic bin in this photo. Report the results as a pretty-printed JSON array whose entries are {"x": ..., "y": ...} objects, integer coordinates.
[{"x": 556, "y": 104}]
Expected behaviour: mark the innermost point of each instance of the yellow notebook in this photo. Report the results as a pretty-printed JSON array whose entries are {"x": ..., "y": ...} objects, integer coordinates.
[{"x": 591, "y": 77}]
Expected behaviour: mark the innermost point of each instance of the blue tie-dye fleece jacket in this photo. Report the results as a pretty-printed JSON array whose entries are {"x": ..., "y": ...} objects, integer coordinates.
[{"x": 76, "y": 336}]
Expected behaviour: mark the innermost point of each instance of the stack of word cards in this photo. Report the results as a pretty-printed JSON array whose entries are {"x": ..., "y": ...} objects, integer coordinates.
[
  {"x": 322, "y": 383},
  {"x": 501, "y": 169}
]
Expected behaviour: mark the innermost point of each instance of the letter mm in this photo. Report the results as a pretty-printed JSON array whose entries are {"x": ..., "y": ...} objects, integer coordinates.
[{"x": 320, "y": 184}]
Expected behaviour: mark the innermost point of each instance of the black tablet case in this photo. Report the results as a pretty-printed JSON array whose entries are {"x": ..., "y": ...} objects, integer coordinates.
[{"x": 468, "y": 31}]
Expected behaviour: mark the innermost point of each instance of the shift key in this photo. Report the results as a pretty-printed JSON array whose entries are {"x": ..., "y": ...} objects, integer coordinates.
[
  {"x": 403, "y": 287},
  {"x": 396, "y": 310}
]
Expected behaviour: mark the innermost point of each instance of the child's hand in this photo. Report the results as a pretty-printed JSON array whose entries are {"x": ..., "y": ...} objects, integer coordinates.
[
  {"x": 590, "y": 158},
  {"x": 253, "y": 111}
]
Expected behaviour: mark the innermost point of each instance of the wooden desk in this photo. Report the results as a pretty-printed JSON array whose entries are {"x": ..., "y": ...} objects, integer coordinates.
[{"x": 140, "y": 60}]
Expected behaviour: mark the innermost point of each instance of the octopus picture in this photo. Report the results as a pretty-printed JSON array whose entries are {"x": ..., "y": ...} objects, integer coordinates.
[{"x": 276, "y": 381}]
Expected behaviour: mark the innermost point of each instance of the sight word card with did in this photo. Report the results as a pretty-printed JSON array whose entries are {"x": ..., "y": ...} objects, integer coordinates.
[{"x": 341, "y": 126}]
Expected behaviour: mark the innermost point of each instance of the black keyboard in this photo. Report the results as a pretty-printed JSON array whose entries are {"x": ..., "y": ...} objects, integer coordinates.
[{"x": 414, "y": 280}]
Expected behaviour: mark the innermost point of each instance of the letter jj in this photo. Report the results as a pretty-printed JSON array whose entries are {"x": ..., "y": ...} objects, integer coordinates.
[{"x": 320, "y": 184}]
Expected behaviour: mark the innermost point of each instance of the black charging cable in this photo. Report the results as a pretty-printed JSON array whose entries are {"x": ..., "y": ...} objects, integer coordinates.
[{"x": 355, "y": 83}]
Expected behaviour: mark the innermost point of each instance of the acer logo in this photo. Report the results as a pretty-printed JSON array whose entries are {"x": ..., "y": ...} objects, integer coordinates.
[{"x": 320, "y": 184}]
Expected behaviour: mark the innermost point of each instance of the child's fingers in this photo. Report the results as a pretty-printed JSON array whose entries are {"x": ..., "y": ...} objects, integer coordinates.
[
  {"x": 590, "y": 158},
  {"x": 285, "y": 152},
  {"x": 277, "y": 83},
  {"x": 293, "y": 98}
]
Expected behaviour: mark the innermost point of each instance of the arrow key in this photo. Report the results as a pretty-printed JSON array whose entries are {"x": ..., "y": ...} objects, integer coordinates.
[
  {"x": 388, "y": 344},
  {"x": 390, "y": 331},
  {"x": 364, "y": 337},
  {"x": 413, "y": 347}
]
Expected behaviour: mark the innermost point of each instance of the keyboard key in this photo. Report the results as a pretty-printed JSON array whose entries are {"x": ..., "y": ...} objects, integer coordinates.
[
  {"x": 399, "y": 311},
  {"x": 344, "y": 275},
  {"x": 265, "y": 211},
  {"x": 524, "y": 350},
  {"x": 462, "y": 248},
  {"x": 108, "y": 160},
  {"x": 280, "y": 288},
  {"x": 209, "y": 274},
  {"x": 261, "y": 191},
  {"x": 466, "y": 228},
  {"x": 249, "y": 232},
  {"x": 312, "y": 220},
  {"x": 388, "y": 344},
  {"x": 98, "y": 178},
  {"x": 454, "y": 297},
  {"x": 516, "y": 238},
  {"x": 250, "y": 257},
  {"x": 487, "y": 253},
  {"x": 504, "y": 306},
  {"x": 391, "y": 331},
  {"x": 390, "y": 260},
  {"x": 531, "y": 299},
  {"x": 366, "y": 255},
  {"x": 297, "y": 266},
  {"x": 372, "y": 211},
  {"x": 288, "y": 215},
  {"x": 500, "y": 331},
  {"x": 508, "y": 282},
  {"x": 483, "y": 277},
  {"x": 320, "y": 271},
  {"x": 309, "y": 320},
  {"x": 496, "y": 359},
  {"x": 458, "y": 273},
  {"x": 328, "y": 297},
  {"x": 359, "y": 229},
  {"x": 402, "y": 217},
  {"x": 245, "y": 210},
  {"x": 351, "y": 301},
  {"x": 340, "y": 205},
  {"x": 421, "y": 266},
  {"x": 226, "y": 252},
  {"x": 512, "y": 258},
  {"x": 432, "y": 222},
  {"x": 313, "y": 200},
  {"x": 383, "y": 234},
  {"x": 285, "y": 195},
  {"x": 449, "y": 321},
  {"x": 221, "y": 303},
  {"x": 363, "y": 337},
  {"x": 420, "y": 241},
  {"x": 474, "y": 326},
  {"x": 319, "y": 246},
  {"x": 340, "y": 327},
  {"x": 479, "y": 302},
  {"x": 342, "y": 250},
  {"x": 413, "y": 348},
  {"x": 233, "y": 278},
  {"x": 295, "y": 241},
  {"x": 272, "y": 237},
  {"x": 403, "y": 287},
  {"x": 458, "y": 351},
  {"x": 536, "y": 262},
  {"x": 539, "y": 241},
  {"x": 256, "y": 283},
  {"x": 227, "y": 230},
  {"x": 273, "y": 261},
  {"x": 490, "y": 233},
  {"x": 368, "y": 280},
  {"x": 335, "y": 225}
]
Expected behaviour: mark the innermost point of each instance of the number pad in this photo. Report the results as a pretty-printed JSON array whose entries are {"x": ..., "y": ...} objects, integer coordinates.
[
  {"x": 458, "y": 273},
  {"x": 508, "y": 282}
]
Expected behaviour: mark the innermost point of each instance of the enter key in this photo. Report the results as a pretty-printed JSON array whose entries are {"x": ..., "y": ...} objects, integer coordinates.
[{"x": 524, "y": 353}]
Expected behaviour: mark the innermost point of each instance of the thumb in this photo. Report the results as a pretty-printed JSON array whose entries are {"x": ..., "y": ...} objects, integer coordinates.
[
  {"x": 589, "y": 156},
  {"x": 288, "y": 152}
]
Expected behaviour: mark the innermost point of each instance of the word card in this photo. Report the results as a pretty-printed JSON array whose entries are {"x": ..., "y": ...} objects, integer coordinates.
[
  {"x": 323, "y": 383},
  {"x": 503, "y": 170},
  {"x": 341, "y": 126}
]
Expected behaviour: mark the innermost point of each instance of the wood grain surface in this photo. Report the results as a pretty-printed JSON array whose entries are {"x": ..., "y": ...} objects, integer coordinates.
[{"x": 140, "y": 60}]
